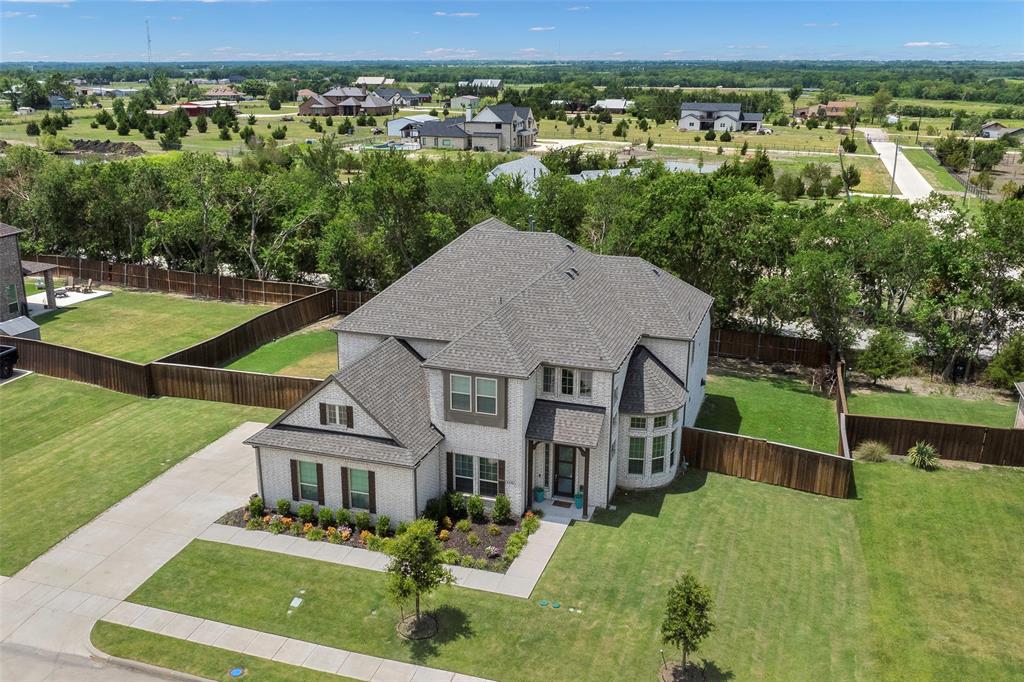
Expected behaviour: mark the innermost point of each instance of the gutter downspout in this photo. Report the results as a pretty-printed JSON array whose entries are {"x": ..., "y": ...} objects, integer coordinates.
[{"x": 259, "y": 474}]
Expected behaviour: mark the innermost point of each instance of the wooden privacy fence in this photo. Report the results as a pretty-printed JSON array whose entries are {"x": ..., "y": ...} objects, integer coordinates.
[
  {"x": 251, "y": 334},
  {"x": 158, "y": 378},
  {"x": 760, "y": 460},
  {"x": 729, "y": 343},
  {"x": 982, "y": 444}
]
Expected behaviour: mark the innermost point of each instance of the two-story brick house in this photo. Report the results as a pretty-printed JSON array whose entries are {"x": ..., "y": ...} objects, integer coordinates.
[
  {"x": 505, "y": 362},
  {"x": 499, "y": 127}
]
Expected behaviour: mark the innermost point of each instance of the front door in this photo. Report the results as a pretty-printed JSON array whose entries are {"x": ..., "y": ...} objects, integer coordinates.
[{"x": 565, "y": 470}]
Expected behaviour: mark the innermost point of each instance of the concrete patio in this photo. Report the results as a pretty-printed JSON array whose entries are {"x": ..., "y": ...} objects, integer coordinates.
[{"x": 37, "y": 302}]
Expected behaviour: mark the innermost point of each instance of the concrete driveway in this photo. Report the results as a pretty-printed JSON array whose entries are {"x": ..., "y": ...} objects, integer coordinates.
[
  {"x": 909, "y": 180},
  {"x": 48, "y": 609}
]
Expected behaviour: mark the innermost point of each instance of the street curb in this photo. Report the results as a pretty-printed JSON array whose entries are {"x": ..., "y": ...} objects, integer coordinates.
[{"x": 129, "y": 664}]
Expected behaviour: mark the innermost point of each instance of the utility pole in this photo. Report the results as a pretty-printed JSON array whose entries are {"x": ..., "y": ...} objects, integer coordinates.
[
  {"x": 970, "y": 166},
  {"x": 149, "y": 52},
  {"x": 842, "y": 170},
  {"x": 917, "y": 136},
  {"x": 895, "y": 160}
]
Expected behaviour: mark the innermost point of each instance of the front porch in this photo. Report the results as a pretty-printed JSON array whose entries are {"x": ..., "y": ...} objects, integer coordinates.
[{"x": 555, "y": 511}]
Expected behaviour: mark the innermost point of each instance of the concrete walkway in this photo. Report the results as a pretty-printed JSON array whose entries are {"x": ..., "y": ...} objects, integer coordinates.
[
  {"x": 518, "y": 581},
  {"x": 909, "y": 180},
  {"x": 275, "y": 647}
]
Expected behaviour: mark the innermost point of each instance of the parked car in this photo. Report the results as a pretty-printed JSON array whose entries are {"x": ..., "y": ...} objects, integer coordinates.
[
  {"x": 8, "y": 358},
  {"x": 764, "y": 131}
]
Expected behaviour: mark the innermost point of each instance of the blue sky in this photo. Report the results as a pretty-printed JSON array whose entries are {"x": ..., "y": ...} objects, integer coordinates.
[{"x": 92, "y": 30}]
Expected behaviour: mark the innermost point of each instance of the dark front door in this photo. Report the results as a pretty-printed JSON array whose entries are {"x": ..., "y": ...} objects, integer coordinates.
[{"x": 565, "y": 470}]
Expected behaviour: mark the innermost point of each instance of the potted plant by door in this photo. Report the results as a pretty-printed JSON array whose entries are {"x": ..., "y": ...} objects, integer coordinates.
[
  {"x": 538, "y": 493},
  {"x": 579, "y": 498}
]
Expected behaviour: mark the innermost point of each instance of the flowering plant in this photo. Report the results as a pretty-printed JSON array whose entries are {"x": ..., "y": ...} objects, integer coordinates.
[{"x": 443, "y": 536}]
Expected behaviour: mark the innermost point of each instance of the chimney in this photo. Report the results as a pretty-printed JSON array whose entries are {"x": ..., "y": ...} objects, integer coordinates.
[{"x": 469, "y": 113}]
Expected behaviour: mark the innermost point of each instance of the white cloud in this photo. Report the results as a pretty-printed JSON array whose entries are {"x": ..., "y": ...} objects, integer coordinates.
[
  {"x": 578, "y": 8},
  {"x": 457, "y": 15},
  {"x": 541, "y": 29},
  {"x": 223, "y": 49},
  {"x": 928, "y": 43},
  {"x": 747, "y": 47},
  {"x": 812, "y": 24},
  {"x": 529, "y": 50},
  {"x": 17, "y": 15},
  {"x": 461, "y": 52}
]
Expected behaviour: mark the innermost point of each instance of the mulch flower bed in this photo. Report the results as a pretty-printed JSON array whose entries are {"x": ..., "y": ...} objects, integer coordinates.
[{"x": 486, "y": 546}]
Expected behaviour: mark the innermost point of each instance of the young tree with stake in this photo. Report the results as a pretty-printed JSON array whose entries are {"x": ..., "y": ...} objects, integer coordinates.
[
  {"x": 416, "y": 567},
  {"x": 687, "y": 615}
]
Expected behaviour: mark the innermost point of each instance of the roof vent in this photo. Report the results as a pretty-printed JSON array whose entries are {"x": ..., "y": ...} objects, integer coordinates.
[
  {"x": 574, "y": 271},
  {"x": 656, "y": 271},
  {"x": 569, "y": 246},
  {"x": 570, "y": 274}
]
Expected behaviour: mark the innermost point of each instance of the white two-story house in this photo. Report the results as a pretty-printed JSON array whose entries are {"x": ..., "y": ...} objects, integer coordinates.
[
  {"x": 498, "y": 128},
  {"x": 717, "y": 116},
  {"x": 508, "y": 363}
]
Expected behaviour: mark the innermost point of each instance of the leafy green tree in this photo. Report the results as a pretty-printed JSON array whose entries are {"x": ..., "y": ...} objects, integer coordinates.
[
  {"x": 415, "y": 568},
  {"x": 688, "y": 619},
  {"x": 32, "y": 128},
  {"x": 201, "y": 123},
  {"x": 1007, "y": 367},
  {"x": 794, "y": 94},
  {"x": 880, "y": 103},
  {"x": 887, "y": 355}
]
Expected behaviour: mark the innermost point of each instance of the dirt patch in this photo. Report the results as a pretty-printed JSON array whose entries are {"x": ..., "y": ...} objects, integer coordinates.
[
  {"x": 107, "y": 147},
  {"x": 411, "y": 628},
  {"x": 758, "y": 370},
  {"x": 923, "y": 385}
]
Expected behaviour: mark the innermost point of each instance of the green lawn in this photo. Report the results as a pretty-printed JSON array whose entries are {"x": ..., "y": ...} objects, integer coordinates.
[
  {"x": 933, "y": 407},
  {"x": 937, "y": 176},
  {"x": 805, "y": 587},
  {"x": 87, "y": 448},
  {"x": 142, "y": 326},
  {"x": 302, "y": 354},
  {"x": 775, "y": 408},
  {"x": 204, "y": 661}
]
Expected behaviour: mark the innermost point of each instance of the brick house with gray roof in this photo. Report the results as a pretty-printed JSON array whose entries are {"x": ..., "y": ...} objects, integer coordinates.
[
  {"x": 499, "y": 127},
  {"x": 506, "y": 362}
]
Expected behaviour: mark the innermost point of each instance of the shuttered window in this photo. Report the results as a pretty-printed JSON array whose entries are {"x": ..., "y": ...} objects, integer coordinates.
[
  {"x": 488, "y": 477},
  {"x": 464, "y": 474},
  {"x": 359, "y": 488},
  {"x": 309, "y": 488}
]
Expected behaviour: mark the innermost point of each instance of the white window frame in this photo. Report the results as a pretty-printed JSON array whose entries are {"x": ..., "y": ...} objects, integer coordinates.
[
  {"x": 456, "y": 476},
  {"x": 654, "y": 456},
  {"x": 480, "y": 480},
  {"x": 585, "y": 378},
  {"x": 478, "y": 394},
  {"x": 642, "y": 458},
  {"x": 664, "y": 421},
  {"x": 548, "y": 372},
  {"x": 333, "y": 412},
  {"x": 352, "y": 492},
  {"x": 563, "y": 372},
  {"x": 452, "y": 392},
  {"x": 305, "y": 484},
  {"x": 634, "y": 427}
]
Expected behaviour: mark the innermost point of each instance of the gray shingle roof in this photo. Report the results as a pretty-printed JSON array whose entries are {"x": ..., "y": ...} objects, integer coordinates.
[
  {"x": 650, "y": 387},
  {"x": 565, "y": 423},
  {"x": 449, "y": 127},
  {"x": 752, "y": 116},
  {"x": 709, "y": 106},
  {"x": 507, "y": 112},
  {"x": 375, "y": 100},
  {"x": 390, "y": 385},
  {"x": 8, "y": 230},
  {"x": 332, "y": 444},
  {"x": 1020, "y": 388},
  {"x": 345, "y": 91},
  {"x": 31, "y": 267}
]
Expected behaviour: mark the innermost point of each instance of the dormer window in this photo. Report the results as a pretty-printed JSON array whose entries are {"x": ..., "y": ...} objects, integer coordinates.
[
  {"x": 476, "y": 399},
  {"x": 461, "y": 393},
  {"x": 567, "y": 381},
  {"x": 486, "y": 395}
]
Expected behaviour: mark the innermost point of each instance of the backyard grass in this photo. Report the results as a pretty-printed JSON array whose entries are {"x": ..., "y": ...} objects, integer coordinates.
[
  {"x": 937, "y": 176},
  {"x": 775, "y": 408},
  {"x": 933, "y": 407},
  {"x": 141, "y": 326},
  {"x": 68, "y": 451},
  {"x": 805, "y": 587},
  {"x": 302, "y": 354},
  {"x": 204, "y": 661}
]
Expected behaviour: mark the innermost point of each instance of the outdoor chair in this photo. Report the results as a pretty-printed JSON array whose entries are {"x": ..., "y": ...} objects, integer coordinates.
[
  {"x": 87, "y": 289},
  {"x": 70, "y": 286}
]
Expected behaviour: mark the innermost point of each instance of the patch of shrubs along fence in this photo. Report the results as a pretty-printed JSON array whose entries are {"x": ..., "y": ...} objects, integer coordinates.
[{"x": 967, "y": 442}]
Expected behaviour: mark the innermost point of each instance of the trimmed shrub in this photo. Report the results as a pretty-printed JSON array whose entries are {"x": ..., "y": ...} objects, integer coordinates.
[
  {"x": 402, "y": 527},
  {"x": 362, "y": 521},
  {"x": 726, "y": 137},
  {"x": 493, "y": 530},
  {"x": 256, "y": 505},
  {"x": 531, "y": 524},
  {"x": 473, "y": 539},
  {"x": 463, "y": 526},
  {"x": 315, "y": 534},
  {"x": 326, "y": 517},
  {"x": 709, "y": 135},
  {"x": 343, "y": 517},
  {"x": 872, "y": 451},
  {"x": 284, "y": 507},
  {"x": 923, "y": 456},
  {"x": 306, "y": 513},
  {"x": 450, "y": 557},
  {"x": 383, "y": 525},
  {"x": 475, "y": 507},
  {"x": 457, "y": 506}
]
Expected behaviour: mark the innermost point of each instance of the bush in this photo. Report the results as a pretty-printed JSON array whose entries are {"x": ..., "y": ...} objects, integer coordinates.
[
  {"x": 516, "y": 543},
  {"x": 276, "y": 524},
  {"x": 436, "y": 509},
  {"x": 254, "y": 523},
  {"x": 306, "y": 513},
  {"x": 383, "y": 525},
  {"x": 402, "y": 527},
  {"x": 457, "y": 506},
  {"x": 343, "y": 517},
  {"x": 849, "y": 145},
  {"x": 256, "y": 505},
  {"x": 202, "y": 124},
  {"x": 1007, "y": 367},
  {"x": 225, "y": 134},
  {"x": 726, "y": 137},
  {"x": 475, "y": 507},
  {"x": 531, "y": 524},
  {"x": 463, "y": 526},
  {"x": 886, "y": 355},
  {"x": 326, "y": 517},
  {"x": 362, "y": 521},
  {"x": 278, "y": 133},
  {"x": 450, "y": 557},
  {"x": 709, "y": 135},
  {"x": 443, "y": 536},
  {"x": 467, "y": 560},
  {"x": 32, "y": 128},
  {"x": 123, "y": 128},
  {"x": 744, "y": 148},
  {"x": 872, "y": 451},
  {"x": 834, "y": 187},
  {"x": 493, "y": 530},
  {"x": 315, "y": 534},
  {"x": 923, "y": 456},
  {"x": 284, "y": 507},
  {"x": 473, "y": 539},
  {"x": 502, "y": 509}
]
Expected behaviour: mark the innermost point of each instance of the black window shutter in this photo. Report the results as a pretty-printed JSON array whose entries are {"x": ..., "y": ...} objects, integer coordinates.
[
  {"x": 295, "y": 480},
  {"x": 348, "y": 416},
  {"x": 344, "y": 488},
  {"x": 373, "y": 492},
  {"x": 323, "y": 413},
  {"x": 319, "y": 483},
  {"x": 451, "y": 472},
  {"x": 501, "y": 476}
]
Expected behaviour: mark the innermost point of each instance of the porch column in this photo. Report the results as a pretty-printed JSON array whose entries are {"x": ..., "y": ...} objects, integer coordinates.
[
  {"x": 586, "y": 480},
  {"x": 530, "y": 445},
  {"x": 51, "y": 299}
]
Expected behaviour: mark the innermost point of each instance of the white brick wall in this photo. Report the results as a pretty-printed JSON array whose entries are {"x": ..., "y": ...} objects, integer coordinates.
[
  {"x": 394, "y": 485},
  {"x": 352, "y": 346},
  {"x": 647, "y": 480},
  {"x": 429, "y": 481},
  {"x": 308, "y": 414},
  {"x": 698, "y": 370}
]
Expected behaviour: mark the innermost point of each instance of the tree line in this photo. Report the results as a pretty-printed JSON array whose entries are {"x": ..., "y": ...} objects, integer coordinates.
[{"x": 949, "y": 277}]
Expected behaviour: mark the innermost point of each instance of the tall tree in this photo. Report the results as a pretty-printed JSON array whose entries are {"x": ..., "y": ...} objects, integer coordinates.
[{"x": 794, "y": 94}]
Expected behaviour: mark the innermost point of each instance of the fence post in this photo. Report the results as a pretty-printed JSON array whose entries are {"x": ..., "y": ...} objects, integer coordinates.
[
  {"x": 195, "y": 292},
  {"x": 125, "y": 278},
  {"x": 757, "y": 351},
  {"x": 243, "y": 290},
  {"x": 220, "y": 292}
]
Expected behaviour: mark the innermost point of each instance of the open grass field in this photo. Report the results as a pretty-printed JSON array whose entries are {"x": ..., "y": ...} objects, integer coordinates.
[
  {"x": 805, "y": 587},
  {"x": 933, "y": 407},
  {"x": 937, "y": 176},
  {"x": 302, "y": 354},
  {"x": 874, "y": 179},
  {"x": 141, "y": 326},
  {"x": 68, "y": 451},
  {"x": 203, "y": 661},
  {"x": 774, "y": 408},
  {"x": 791, "y": 139}
]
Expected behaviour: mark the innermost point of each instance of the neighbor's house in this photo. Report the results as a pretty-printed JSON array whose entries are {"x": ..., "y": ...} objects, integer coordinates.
[
  {"x": 717, "y": 116},
  {"x": 303, "y": 94},
  {"x": 206, "y": 107},
  {"x": 995, "y": 130},
  {"x": 58, "y": 102},
  {"x": 613, "y": 106},
  {"x": 526, "y": 170},
  {"x": 499, "y": 127},
  {"x": 224, "y": 92},
  {"x": 1019, "y": 423},
  {"x": 401, "y": 97},
  {"x": 833, "y": 109},
  {"x": 408, "y": 126},
  {"x": 345, "y": 101},
  {"x": 505, "y": 363},
  {"x": 374, "y": 81},
  {"x": 14, "y": 313},
  {"x": 464, "y": 102},
  {"x": 482, "y": 84}
]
